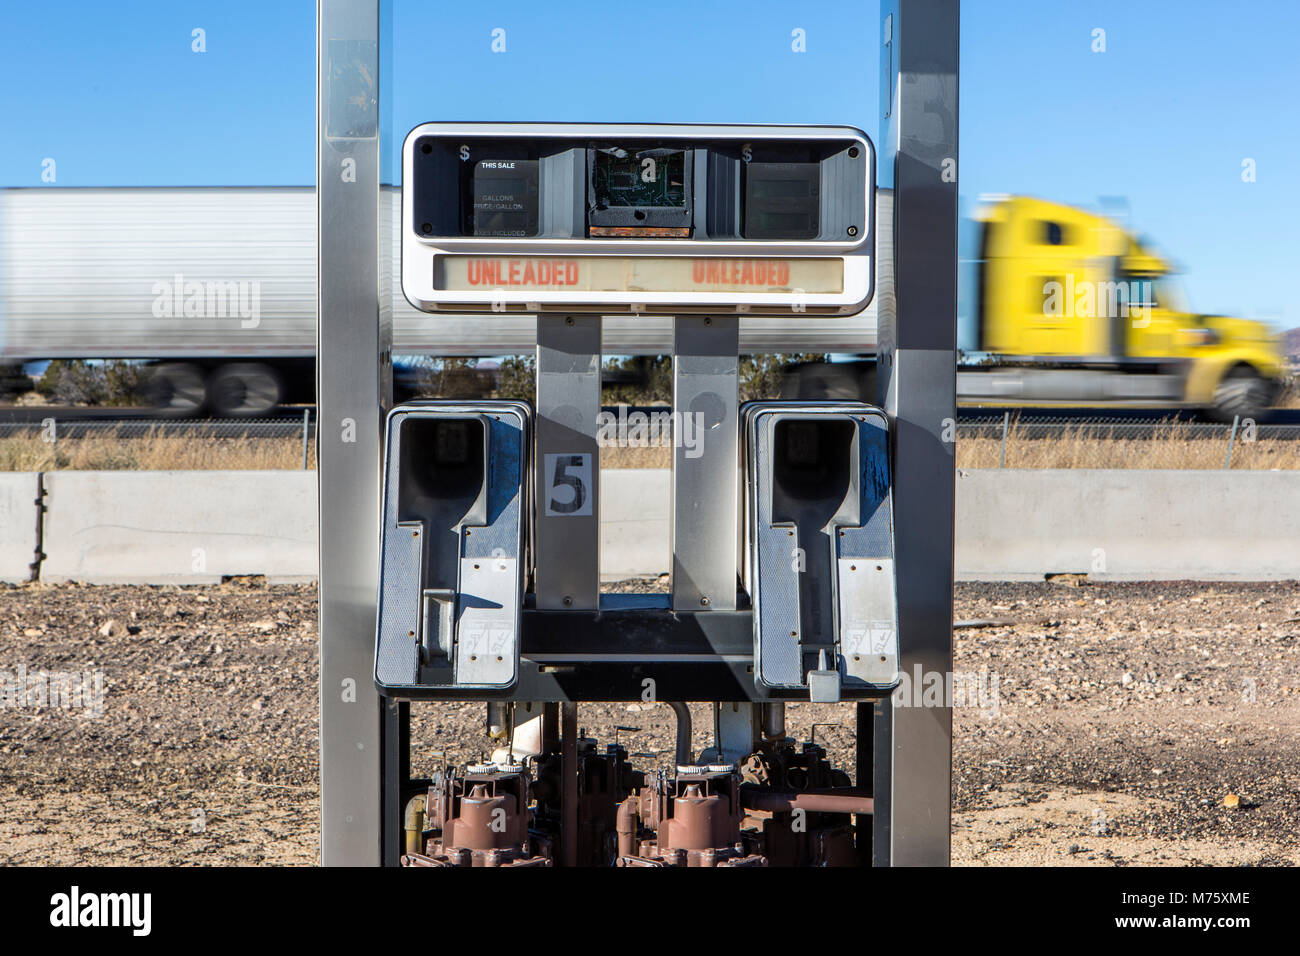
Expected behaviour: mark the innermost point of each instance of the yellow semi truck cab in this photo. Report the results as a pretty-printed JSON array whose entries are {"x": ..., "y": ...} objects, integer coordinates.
[{"x": 1071, "y": 309}]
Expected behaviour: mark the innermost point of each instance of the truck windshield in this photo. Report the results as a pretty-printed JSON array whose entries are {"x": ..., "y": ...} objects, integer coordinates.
[{"x": 1158, "y": 291}]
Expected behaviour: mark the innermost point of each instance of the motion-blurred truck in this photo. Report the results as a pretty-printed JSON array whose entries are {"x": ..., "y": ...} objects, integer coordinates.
[
  {"x": 215, "y": 288},
  {"x": 1065, "y": 307},
  {"x": 1072, "y": 309}
]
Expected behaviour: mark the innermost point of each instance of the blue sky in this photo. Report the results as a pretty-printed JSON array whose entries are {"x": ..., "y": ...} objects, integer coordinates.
[{"x": 1164, "y": 117}]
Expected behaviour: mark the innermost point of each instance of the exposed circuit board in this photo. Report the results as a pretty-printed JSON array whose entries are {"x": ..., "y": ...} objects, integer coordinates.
[{"x": 654, "y": 178}]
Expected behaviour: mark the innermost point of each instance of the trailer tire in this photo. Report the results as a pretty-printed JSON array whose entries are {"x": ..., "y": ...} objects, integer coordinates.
[
  {"x": 177, "y": 389},
  {"x": 1243, "y": 393},
  {"x": 244, "y": 390}
]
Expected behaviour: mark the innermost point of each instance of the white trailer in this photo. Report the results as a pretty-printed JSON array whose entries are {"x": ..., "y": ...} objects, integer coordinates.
[{"x": 218, "y": 285}]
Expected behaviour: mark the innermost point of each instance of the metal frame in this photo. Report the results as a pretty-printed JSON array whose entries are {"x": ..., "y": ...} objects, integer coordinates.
[
  {"x": 568, "y": 403},
  {"x": 606, "y": 655},
  {"x": 354, "y": 375},
  {"x": 917, "y": 290},
  {"x": 904, "y": 754},
  {"x": 705, "y": 503},
  {"x": 419, "y": 254}
]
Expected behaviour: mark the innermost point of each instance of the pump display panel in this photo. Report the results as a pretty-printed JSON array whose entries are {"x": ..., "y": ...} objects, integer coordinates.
[{"x": 605, "y": 218}]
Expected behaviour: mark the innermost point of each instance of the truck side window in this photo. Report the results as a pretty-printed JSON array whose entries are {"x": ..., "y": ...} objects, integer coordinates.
[
  {"x": 1143, "y": 290},
  {"x": 1053, "y": 234}
]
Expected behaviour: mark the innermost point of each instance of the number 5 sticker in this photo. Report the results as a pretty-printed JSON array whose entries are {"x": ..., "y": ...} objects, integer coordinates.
[{"x": 568, "y": 485}]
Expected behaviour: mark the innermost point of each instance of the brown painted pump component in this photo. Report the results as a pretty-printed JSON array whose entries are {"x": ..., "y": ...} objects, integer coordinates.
[
  {"x": 803, "y": 807},
  {"x": 604, "y": 780},
  {"x": 689, "y": 819},
  {"x": 480, "y": 819}
]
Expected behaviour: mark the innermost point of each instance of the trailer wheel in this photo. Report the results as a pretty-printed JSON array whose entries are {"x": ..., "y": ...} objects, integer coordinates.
[
  {"x": 244, "y": 390},
  {"x": 1242, "y": 392},
  {"x": 177, "y": 389}
]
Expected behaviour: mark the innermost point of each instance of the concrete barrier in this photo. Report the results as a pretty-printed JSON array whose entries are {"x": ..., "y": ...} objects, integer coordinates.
[
  {"x": 1026, "y": 524},
  {"x": 1128, "y": 524},
  {"x": 18, "y": 492},
  {"x": 635, "y": 512},
  {"x": 190, "y": 527},
  {"x": 179, "y": 527}
]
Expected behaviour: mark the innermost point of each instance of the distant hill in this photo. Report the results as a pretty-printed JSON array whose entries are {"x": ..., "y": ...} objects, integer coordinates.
[{"x": 1291, "y": 342}]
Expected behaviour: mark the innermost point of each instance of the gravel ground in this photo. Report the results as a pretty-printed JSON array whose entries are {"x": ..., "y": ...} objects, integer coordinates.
[{"x": 1113, "y": 724}]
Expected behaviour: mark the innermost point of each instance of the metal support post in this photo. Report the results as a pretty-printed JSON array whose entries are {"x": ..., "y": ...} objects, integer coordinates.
[
  {"x": 568, "y": 462},
  {"x": 736, "y": 732},
  {"x": 396, "y": 772},
  {"x": 705, "y": 506},
  {"x": 306, "y": 430},
  {"x": 864, "y": 777},
  {"x": 917, "y": 295},
  {"x": 1006, "y": 426},
  {"x": 1232, "y": 440},
  {"x": 569, "y": 784},
  {"x": 353, "y": 350}
]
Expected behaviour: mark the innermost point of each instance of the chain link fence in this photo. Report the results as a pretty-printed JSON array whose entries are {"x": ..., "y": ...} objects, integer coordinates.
[
  {"x": 52, "y": 443},
  {"x": 1040, "y": 427},
  {"x": 1114, "y": 442},
  {"x": 643, "y": 435}
]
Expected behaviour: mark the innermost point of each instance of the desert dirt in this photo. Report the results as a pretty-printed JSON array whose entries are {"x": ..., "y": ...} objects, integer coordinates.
[{"x": 1097, "y": 725}]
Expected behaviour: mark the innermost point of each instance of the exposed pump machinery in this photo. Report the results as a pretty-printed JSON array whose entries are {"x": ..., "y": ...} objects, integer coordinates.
[{"x": 811, "y": 541}]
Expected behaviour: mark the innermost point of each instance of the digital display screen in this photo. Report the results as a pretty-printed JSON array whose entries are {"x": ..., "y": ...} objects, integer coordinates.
[
  {"x": 639, "y": 274},
  {"x": 645, "y": 219},
  {"x": 781, "y": 223},
  {"x": 782, "y": 189},
  {"x": 782, "y": 201},
  {"x": 504, "y": 198}
]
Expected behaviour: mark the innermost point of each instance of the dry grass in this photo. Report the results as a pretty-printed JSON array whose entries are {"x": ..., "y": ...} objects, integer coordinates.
[
  {"x": 152, "y": 452},
  {"x": 635, "y": 457},
  {"x": 1175, "y": 446}
]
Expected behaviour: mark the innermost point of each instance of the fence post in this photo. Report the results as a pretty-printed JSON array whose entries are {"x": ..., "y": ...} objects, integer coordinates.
[
  {"x": 1232, "y": 440},
  {"x": 306, "y": 415},
  {"x": 1006, "y": 420}
]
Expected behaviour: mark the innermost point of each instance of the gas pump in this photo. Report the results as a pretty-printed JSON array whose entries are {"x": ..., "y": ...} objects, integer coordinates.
[{"x": 789, "y": 577}]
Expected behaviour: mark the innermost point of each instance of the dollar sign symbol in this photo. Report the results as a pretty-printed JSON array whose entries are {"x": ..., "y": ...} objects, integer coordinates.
[
  {"x": 464, "y": 153},
  {"x": 746, "y": 153}
]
